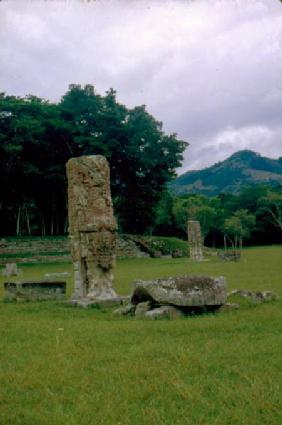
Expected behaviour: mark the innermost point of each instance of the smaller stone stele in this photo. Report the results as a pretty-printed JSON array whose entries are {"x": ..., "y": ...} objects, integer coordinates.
[
  {"x": 11, "y": 269},
  {"x": 195, "y": 240},
  {"x": 34, "y": 290},
  {"x": 182, "y": 291}
]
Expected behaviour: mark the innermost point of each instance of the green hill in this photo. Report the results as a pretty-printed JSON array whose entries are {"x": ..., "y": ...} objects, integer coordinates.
[{"x": 243, "y": 168}]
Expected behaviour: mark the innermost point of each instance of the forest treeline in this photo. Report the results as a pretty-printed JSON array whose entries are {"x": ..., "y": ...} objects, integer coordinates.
[
  {"x": 253, "y": 216},
  {"x": 38, "y": 137}
]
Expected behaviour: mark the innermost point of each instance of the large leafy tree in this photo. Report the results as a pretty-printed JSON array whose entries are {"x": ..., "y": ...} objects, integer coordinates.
[
  {"x": 239, "y": 226},
  {"x": 37, "y": 138},
  {"x": 271, "y": 205},
  {"x": 195, "y": 207},
  {"x": 32, "y": 154},
  {"x": 142, "y": 157}
]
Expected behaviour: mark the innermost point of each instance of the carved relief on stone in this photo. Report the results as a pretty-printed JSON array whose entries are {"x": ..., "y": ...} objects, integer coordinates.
[{"x": 92, "y": 228}]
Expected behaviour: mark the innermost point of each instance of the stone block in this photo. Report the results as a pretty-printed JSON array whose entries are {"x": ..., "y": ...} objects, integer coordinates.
[
  {"x": 163, "y": 312},
  {"x": 11, "y": 269},
  {"x": 183, "y": 291},
  {"x": 34, "y": 290},
  {"x": 142, "y": 308}
]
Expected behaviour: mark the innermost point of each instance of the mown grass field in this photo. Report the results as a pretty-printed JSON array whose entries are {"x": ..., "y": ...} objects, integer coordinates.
[{"x": 65, "y": 365}]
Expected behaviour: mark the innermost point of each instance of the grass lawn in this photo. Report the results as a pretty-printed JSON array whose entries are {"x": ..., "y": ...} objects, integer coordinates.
[{"x": 65, "y": 365}]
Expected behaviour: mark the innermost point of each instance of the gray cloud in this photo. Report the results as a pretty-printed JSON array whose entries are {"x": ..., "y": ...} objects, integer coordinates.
[
  {"x": 211, "y": 71},
  {"x": 229, "y": 140}
]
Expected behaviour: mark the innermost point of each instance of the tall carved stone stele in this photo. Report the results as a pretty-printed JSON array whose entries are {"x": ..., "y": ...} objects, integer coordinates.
[
  {"x": 92, "y": 230},
  {"x": 195, "y": 240}
]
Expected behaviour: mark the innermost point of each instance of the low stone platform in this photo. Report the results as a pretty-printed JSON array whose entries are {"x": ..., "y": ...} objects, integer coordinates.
[{"x": 34, "y": 290}]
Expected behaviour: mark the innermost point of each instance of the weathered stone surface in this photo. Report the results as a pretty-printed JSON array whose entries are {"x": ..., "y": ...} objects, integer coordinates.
[
  {"x": 34, "y": 290},
  {"x": 195, "y": 240},
  {"x": 186, "y": 291},
  {"x": 11, "y": 269},
  {"x": 229, "y": 307},
  {"x": 92, "y": 229},
  {"x": 165, "y": 311},
  {"x": 127, "y": 310},
  {"x": 256, "y": 297},
  {"x": 142, "y": 308},
  {"x": 266, "y": 296}
]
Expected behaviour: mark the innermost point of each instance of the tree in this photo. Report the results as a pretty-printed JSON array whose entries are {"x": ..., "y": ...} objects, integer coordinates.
[
  {"x": 238, "y": 226},
  {"x": 194, "y": 207},
  {"x": 271, "y": 204},
  {"x": 142, "y": 157},
  {"x": 37, "y": 138},
  {"x": 33, "y": 154},
  {"x": 163, "y": 220}
]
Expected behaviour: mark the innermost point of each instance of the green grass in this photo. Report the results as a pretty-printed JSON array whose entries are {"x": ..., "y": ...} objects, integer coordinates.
[
  {"x": 65, "y": 365},
  {"x": 32, "y": 254}
]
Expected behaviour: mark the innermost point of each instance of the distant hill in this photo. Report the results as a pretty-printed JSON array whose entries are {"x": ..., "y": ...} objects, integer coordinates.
[{"x": 243, "y": 168}]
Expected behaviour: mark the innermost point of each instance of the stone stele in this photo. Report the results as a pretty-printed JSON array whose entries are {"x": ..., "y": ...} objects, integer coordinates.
[
  {"x": 195, "y": 240},
  {"x": 92, "y": 230}
]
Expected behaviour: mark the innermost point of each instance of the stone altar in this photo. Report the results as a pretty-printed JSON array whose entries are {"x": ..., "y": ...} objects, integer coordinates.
[
  {"x": 92, "y": 230},
  {"x": 34, "y": 290}
]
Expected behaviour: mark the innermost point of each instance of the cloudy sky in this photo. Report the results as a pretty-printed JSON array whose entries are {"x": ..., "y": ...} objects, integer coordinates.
[{"x": 211, "y": 71}]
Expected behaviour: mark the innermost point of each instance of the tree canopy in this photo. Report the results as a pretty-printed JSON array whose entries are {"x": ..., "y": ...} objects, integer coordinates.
[
  {"x": 38, "y": 137},
  {"x": 253, "y": 215}
]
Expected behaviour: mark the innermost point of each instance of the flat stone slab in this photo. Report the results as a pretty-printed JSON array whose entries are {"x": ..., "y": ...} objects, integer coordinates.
[
  {"x": 34, "y": 290},
  {"x": 183, "y": 291}
]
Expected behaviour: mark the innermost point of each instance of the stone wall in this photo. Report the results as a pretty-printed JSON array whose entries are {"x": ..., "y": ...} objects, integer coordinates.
[{"x": 40, "y": 249}]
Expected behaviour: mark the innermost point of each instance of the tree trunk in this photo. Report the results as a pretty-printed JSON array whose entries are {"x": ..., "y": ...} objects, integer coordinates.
[
  {"x": 43, "y": 228},
  {"x": 27, "y": 221},
  {"x": 66, "y": 225},
  {"x": 18, "y": 230}
]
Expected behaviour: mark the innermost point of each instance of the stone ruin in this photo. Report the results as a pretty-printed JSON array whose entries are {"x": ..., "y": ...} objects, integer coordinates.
[
  {"x": 195, "y": 240},
  {"x": 179, "y": 296},
  {"x": 11, "y": 269},
  {"x": 92, "y": 230},
  {"x": 229, "y": 255},
  {"x": 175, "y": 296},
  {"x": 34, "y": 290}
]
